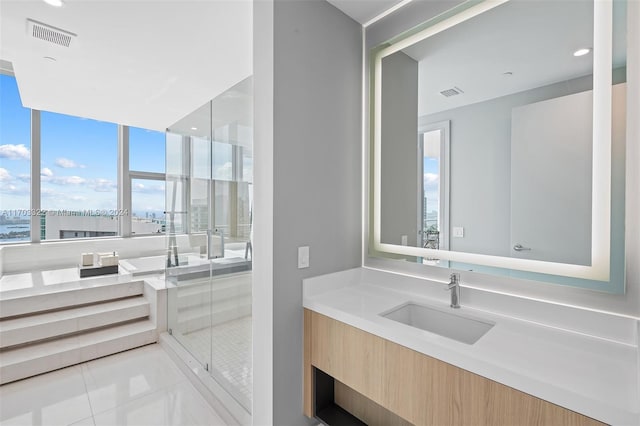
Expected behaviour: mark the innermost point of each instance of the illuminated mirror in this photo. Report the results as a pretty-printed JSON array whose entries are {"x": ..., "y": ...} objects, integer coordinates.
[{"x": 492, "y": 138}]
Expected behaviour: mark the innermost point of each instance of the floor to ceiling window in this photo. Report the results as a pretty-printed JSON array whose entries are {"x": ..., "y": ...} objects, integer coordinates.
[
  {"x": 15, "y": 164},
  {"x": 79, "y": 162},
  {"x": 147, "y": 174},
  {"x": 75, "y": 193}
]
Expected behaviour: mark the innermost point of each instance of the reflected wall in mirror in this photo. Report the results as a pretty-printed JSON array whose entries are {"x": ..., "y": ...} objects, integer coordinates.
[{"x": 502, "y": 118}]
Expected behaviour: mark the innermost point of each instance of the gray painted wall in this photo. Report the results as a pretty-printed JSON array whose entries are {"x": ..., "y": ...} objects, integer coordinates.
[
  {"x": 317, "y": 196},
  {"x": 481, "y": 166},
  {"x": 399, "y": 165}
]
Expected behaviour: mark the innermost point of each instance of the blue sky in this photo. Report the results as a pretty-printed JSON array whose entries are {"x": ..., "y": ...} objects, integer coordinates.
[
  {"x": 78, "y": 159},
  {"x": 15, "y": 147},
  {"x": 431, "y": 176}
]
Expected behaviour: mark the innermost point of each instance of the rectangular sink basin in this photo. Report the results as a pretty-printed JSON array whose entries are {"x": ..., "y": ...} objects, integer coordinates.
[{"x": 453, "y": 325}]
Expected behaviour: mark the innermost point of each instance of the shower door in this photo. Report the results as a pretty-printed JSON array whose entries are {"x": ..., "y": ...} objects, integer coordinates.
[
  {"x": 209, "y": 252},
  {"x": 188, "y": 271}
]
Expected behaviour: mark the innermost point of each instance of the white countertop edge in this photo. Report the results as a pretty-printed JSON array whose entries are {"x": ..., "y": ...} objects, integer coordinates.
[{"x": 62, "y": 279}]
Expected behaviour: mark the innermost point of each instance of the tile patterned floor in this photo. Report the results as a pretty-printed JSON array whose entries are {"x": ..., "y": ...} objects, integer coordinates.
[
  {"x": 138, "y": 387},
  {"x": 230, "y": 347}
]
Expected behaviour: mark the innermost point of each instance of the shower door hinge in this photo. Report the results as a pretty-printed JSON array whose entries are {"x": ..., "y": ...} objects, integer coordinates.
[
  {"x": 170, "y": 332},
  {"x": 206, "y": 366}
]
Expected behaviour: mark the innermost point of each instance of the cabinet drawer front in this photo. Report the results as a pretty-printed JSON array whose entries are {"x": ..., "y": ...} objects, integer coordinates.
[{"x": 350, "y": 355}]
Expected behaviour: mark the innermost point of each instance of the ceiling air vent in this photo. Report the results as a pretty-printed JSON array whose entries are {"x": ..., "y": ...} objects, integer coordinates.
[
  {"x": 48, "y": 33},
  {"x": 451, "y": 92}
]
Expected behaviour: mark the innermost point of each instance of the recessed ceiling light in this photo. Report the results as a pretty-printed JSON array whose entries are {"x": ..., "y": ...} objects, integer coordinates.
[
  {"x": 54, "y": 3},
  {"x": 194, "y": 128},
  {"x": 581, "y": 52}
]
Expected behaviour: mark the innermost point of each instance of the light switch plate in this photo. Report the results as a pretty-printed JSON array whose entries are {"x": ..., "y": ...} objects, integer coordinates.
[
  {"x": 458, "y": 231},
  {"x": 303, "y": 257},
  {"x": 403, "y": 240}
]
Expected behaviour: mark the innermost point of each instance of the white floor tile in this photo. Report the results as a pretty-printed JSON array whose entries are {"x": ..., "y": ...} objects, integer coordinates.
[
  {"x": 180, "y": 404},
  {"x": 229, "y": 347},
  {"x": 118, "y": 379},
  {"x": 138, "y": 387},
  {"x": 56, "y": 398}
]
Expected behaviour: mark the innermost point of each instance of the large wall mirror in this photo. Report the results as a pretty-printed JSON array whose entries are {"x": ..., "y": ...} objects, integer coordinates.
[{"x": 498, "y": 137}]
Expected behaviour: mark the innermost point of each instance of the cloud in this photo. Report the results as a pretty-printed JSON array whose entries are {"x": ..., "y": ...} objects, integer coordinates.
[
  {"x": 431, "y": 180},
  {"x": 147, "y": 189},
  {"x": 24, "y": 177},
  {"x": 66, "y": 180},
  {"x": 10, "y": 189},
  {"x": 15, "y": 152},
  {"x": 104, "y": 185},
  {"x": 48, "y": 192},
  {"x": 431, "y": 177},
  {"x": 224, "y": 171},
  {"x": 46, "y": 172},
  {"x": 57, "y": 198},
  {"x": 66, "y": 163},
  {"x": 5, "y": 176}
]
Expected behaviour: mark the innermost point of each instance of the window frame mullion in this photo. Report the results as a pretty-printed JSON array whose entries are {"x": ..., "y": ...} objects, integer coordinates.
[
  {"x": 35, "y": 184},
  {"x": 124, "y": 183}
]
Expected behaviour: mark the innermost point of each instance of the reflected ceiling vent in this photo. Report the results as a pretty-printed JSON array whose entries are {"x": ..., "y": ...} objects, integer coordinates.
[
  {"x": 451, "y": 92},
  {"x": 48, "y": 33}
]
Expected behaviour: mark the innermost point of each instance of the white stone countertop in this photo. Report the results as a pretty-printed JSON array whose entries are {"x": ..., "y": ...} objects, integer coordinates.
[
  {"x": 39, "y": 282},
  {"x": 591, "y": 375}
]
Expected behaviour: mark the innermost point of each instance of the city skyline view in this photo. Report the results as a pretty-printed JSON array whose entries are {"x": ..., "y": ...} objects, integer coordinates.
[{"x": 431, "y": 184}]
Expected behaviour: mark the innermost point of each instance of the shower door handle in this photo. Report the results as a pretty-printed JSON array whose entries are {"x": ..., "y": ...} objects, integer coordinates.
[{"x": 211, "y": 252}]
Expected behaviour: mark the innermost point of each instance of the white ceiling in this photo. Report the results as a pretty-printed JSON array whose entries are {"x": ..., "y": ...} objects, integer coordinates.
[
  {"x": 145, "y": 63},
  {"x": 234, "y": 106},
  {"x": 363, "y": 11},
  {"x": 149, "y": 63},
  {"x": 533, "y": 40}
]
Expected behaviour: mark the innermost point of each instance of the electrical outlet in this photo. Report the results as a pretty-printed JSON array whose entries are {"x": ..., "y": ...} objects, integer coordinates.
[
  {"x": 303, "y": 257},
  {"x": 458, "y": 232},
  {"x": 403, "y": 240}
]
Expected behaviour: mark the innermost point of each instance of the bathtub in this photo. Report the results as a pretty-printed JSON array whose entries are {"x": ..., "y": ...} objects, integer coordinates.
[
  {"x": 144, "y": 265},
  {"x": 191, "y": 265}
]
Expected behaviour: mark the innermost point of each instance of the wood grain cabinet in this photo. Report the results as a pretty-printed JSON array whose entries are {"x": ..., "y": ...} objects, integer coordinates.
[{"x": 376, "y": 378}]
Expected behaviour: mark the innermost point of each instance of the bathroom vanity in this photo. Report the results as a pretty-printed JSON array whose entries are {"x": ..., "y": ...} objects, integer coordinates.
[
  {"x": 509, "y": 169},
  {"x": 382, "y": 371}
]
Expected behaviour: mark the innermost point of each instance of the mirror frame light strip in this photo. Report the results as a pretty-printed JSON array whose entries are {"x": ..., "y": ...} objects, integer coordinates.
[{"x": 601, "y": 175}]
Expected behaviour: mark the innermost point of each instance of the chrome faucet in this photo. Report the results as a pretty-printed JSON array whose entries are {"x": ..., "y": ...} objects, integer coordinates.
[{"x": 454, "y": 286}]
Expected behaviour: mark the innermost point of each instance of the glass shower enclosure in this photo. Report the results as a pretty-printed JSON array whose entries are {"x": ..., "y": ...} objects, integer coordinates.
[{"x": 208, "y": 234}]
